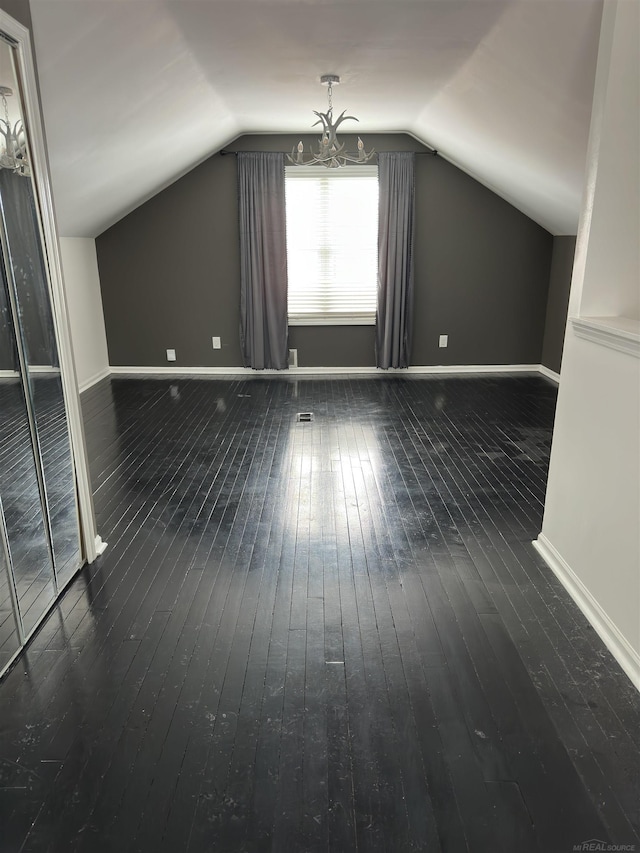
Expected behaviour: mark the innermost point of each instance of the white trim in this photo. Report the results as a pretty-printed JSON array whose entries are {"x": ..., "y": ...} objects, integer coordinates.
[
  {"x": 33, "y": 368},
  {"x": 618, "y": 333},
  {"x": 609, "y": 633},
  {"x": 331, "y": 319},
  {"x": 44, "y": 198},
  {"x": 186, "y": 371},
  {"x": 471, "y": 368},
  {"x": 425, "y": 370},
  {"x": 550, "y": 374},
  {"x": 93, "y": 380},
  {"x": 100, "y": 546},
  {"x": 44, "y": 368}
]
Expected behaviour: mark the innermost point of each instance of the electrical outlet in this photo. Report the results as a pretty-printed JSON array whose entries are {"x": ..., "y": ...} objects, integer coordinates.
[
  {"x": 171, "y": 355},
  {"x": 443, "y": 341},
  {"x": 216, "y": 343},
  {"x": 293, "y": 358}
]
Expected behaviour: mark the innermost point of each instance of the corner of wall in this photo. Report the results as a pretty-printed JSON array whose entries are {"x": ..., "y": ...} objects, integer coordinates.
[
  {"x": 84, "y": 302},
  {"x": 590, "y": 528},
  {"x": 560, "y": 275}
]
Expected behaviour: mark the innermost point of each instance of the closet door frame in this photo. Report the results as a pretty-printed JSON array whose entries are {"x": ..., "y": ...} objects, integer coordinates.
[{"x": 19, "y": 38}]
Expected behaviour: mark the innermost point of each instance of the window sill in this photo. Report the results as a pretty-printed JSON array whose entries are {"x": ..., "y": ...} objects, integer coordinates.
[
  {"x": 618, "y": 333},
  {"x": 334, "y": 320}
]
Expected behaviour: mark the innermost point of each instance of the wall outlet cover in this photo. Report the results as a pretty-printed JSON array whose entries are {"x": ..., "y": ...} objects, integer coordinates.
[
  {"x": 216, "y": 343},
  {"x": 443, "y": 341},
  {"x": 171, "y": 355}
]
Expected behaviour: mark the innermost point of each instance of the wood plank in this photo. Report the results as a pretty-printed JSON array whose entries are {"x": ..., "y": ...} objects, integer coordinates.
[{"x": 330, "y": 636}]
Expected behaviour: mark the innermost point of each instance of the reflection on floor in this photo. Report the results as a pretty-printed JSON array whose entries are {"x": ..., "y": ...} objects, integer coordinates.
[
  {"x": 21, "y": 503},
  {"x": 48, "y": 403},
  {"x": 331, "y": 635}
]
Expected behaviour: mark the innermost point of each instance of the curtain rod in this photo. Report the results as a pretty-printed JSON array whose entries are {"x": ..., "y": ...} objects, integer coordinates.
[{"x": 224, "y": 151}]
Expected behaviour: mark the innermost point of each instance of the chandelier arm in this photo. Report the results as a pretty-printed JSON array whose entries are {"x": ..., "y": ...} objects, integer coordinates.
[
  {"x": 331, "y": 152},
  {"x": 14, "y": 157}
]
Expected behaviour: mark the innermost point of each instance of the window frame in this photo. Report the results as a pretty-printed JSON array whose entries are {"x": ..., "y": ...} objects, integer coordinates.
[{"x": 334, "y": 318}]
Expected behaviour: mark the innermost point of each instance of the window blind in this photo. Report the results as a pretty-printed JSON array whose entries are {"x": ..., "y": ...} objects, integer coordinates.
[{"x": 332, "y": 244}]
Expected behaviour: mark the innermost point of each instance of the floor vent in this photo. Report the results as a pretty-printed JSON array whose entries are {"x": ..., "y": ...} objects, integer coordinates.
[{"x": 304, "y": 417}]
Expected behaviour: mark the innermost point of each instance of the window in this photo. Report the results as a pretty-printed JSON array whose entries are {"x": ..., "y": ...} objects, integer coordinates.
[{"x": 332, "y": 244}]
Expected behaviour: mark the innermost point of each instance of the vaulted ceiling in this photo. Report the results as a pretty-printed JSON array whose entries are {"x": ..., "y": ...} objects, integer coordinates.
[{"x": 137, "y": 92}]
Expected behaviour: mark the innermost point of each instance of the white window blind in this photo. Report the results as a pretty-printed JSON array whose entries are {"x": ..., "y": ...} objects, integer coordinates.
[{"x": 332, "y": 244}]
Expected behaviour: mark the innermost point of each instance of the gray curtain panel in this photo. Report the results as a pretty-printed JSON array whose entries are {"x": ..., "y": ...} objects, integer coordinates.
[
  {"x": 394, "y": 318},
  {"x": 263, "y": 260}
]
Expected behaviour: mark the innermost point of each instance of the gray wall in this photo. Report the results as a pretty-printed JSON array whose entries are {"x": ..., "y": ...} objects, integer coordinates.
[
  {"x": 558, "y": 301},
  {"x": 169, "y": 273},
  {"x": 18, "y": 9}
]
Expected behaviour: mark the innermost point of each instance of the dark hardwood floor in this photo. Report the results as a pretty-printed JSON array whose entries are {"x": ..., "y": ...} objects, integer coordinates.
[{"x": 331, "y": 635}]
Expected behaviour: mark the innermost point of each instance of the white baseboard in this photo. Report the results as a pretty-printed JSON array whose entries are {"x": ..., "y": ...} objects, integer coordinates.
[
  {"x": 93, "y": 380},
  {"x": 550, "y": 374},
  {"x": 445, "y": 369},
  {"x": 34, "y": 368},
  {"x": 607, "y": 630},
  {"x": 94, "y": 548},
  {"x": 44, "y": 368},
  {"x": 426, "y": 370}
]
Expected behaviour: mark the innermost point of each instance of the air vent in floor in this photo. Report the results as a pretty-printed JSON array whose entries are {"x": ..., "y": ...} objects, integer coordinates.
[{"x": 304, "y": 417}]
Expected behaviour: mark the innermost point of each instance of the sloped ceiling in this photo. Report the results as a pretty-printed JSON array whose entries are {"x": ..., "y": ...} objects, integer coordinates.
[{"x": 137, "y": 92}]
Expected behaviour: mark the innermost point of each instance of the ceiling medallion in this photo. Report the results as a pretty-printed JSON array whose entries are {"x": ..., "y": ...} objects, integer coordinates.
[{"x": 331, "y": 152}]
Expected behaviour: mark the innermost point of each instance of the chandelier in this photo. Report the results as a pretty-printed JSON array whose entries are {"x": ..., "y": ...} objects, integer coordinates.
[
  {"x": 331, "y": 152},
  {"x": 13, "y": 153}
]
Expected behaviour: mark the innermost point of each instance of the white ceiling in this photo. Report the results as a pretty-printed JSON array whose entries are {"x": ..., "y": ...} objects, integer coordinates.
[{"x": 137, "y": 92}]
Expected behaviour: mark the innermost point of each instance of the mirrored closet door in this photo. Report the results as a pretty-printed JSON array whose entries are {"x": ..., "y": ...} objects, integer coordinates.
[{"x": 40, "y": 531}]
